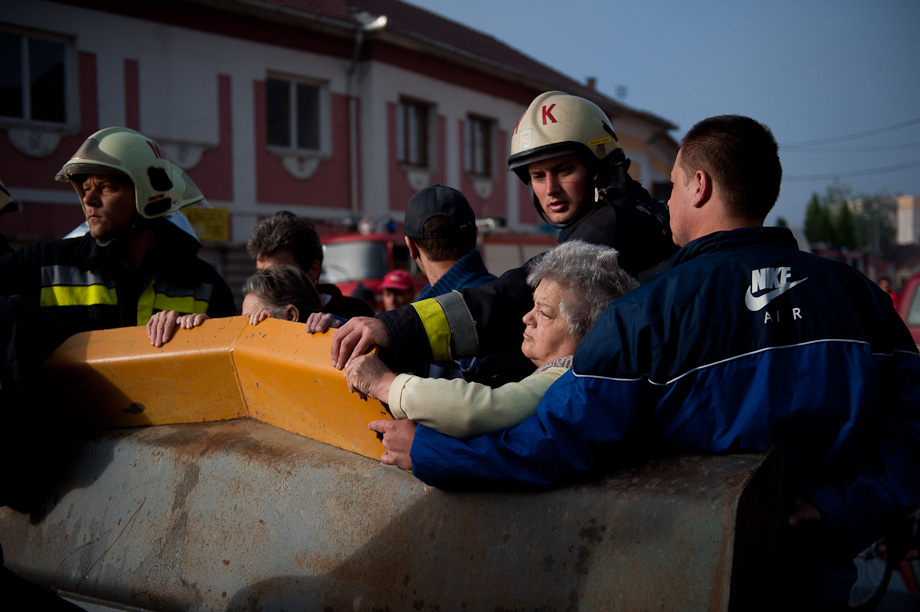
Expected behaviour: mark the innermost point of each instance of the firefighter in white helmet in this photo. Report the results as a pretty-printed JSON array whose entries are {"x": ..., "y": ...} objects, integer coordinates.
[
  {"x": 133, "y": 262},
  {"x": 120, "y": 157},
  {"x": 565, "y": 148}
]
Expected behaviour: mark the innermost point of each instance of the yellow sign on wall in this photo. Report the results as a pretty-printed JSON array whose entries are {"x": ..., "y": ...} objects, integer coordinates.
[{"x": 211, "y": 224}]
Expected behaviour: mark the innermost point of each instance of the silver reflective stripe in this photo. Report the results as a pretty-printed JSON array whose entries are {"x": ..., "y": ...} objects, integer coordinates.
[
  {"x": 56, "y": 276},
  {"x": 463, "y": 335}
]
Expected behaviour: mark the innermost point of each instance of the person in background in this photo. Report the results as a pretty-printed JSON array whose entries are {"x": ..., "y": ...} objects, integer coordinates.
[
  {"x": 573, "y": 284},
  {"x": 363, "y": 292},
  {"x": 885, "y": 284},
  {"x": 398, "y": 289},
  {"x": 286, "y": 239},
  {"x": 280, "y": 292},
  {"x": 277, "y": 292},
  {"x": 441, "y": 233}
]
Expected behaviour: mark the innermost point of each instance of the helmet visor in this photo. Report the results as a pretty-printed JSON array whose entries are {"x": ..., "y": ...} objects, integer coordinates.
[{"x": 84, "y": 168}]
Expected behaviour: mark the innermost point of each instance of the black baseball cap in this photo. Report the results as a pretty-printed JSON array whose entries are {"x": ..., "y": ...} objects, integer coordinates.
[{"x": 437, "y": 201}]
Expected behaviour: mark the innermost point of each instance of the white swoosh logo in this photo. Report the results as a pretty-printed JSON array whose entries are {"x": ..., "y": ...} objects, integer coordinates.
[{"x": 756, "y": 303}]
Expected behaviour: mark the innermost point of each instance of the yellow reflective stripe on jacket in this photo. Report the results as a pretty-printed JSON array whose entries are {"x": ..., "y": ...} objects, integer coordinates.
[
  {"x": 145, "y": 304},
  {"x": 64, "y": 295},
  {"x": 195, "y": 300},
  {"x": 70, "y": 286},
  {"x": 436, "y": 327},
  {"x": 187, "y": 304}
]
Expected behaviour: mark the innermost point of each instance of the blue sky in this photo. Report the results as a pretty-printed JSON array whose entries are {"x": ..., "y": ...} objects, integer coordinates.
[{"x": 812, "y": 70}]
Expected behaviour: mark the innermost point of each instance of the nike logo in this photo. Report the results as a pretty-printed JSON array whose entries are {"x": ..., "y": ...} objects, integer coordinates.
[{"x": 756, "y": 303}]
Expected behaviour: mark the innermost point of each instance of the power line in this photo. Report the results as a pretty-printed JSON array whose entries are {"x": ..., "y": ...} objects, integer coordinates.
[
  {"x": 870, "y": 149},
  {"x": 851, "y": 174},
  {"x": 823, "y": 141}
]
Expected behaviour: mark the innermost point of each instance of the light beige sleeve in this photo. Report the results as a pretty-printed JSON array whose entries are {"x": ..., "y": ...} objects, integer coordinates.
[
  {"x": 396, "y": 389},
  {"x": 463, "y": 409}
]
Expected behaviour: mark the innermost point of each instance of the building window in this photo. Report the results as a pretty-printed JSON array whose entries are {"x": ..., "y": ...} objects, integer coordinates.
[
  {"x": 34, "y": 83},
  {"x": 412, "y": 126},
  {"x": 478, "y": 146},
  {"x": 294, "y": 112}
]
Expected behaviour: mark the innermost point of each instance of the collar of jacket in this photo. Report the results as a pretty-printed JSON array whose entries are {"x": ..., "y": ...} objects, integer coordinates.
[
  {"x": 170, "y": 252},
  {"x": 465, "y": 269},
  {"x": 780, "y": 237}
]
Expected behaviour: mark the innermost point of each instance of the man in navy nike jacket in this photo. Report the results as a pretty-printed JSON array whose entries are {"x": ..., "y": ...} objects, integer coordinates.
[{"x": 744, "y": 343}]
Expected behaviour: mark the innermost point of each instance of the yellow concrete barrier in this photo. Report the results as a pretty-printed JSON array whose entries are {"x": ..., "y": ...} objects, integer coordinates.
[{"x": 274, "y": 372}]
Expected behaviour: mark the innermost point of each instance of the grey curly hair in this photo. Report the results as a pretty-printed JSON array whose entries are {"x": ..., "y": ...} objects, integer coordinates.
[{"x": 590, "y": 278}]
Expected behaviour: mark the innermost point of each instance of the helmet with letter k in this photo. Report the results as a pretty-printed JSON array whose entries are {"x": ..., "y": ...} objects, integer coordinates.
[
  {"x": 122, "y": 151},
  {"x": 557, "y": 124}
]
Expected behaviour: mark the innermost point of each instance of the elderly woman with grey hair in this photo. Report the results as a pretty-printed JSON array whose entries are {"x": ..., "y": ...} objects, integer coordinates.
[{"x": 573, "y": 284}]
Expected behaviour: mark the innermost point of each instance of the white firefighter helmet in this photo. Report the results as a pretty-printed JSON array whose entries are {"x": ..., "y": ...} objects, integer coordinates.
[
  {"x": 119, "y": 150},
  {"x": 191, "y": 196},
  {"x": 557, "y": 123},
  {"x": 187, "y": 192}
]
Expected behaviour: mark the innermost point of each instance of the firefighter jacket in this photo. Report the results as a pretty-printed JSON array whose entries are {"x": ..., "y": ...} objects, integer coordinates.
[{"x": 85, "y": 286}]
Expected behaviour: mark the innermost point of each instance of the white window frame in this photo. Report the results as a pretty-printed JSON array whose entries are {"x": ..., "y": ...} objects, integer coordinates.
[
  {"x": 405, "y": 131},
  {"x": 71, "y": 121},
  {"x": 324, "y": 119},
  {"x": 474, "y": 150}
]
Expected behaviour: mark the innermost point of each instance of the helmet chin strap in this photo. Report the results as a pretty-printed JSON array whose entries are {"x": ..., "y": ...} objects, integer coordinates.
[
  {"x": 613, "y": 179},
  {"x": 609, "y": 182}
]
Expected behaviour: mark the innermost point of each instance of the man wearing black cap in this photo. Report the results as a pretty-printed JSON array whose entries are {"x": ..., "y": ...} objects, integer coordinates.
[{"x": 441, "y": 233}]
